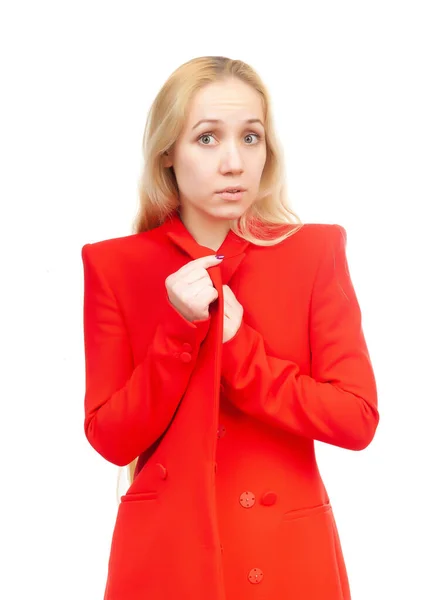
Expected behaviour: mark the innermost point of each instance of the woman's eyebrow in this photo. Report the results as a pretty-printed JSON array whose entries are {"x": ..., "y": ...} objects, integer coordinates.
[{"x": 220, "y": 121}]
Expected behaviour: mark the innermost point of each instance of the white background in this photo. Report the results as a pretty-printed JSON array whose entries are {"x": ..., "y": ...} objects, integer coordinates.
[{"x": 77, "y": 79}]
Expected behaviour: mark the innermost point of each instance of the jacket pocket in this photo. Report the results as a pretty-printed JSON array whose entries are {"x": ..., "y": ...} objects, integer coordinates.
[
  {"x": 301, "y": 513},
  {"x": 304, "y": 545},
  {"x": 139, "y": 496}
]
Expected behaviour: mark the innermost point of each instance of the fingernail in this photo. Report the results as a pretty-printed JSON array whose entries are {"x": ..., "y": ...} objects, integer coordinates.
[{"x": 220, "y": 256}]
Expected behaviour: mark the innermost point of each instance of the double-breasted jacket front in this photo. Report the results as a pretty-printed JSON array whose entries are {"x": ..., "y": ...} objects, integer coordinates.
[{"x": 227, "y": 500}]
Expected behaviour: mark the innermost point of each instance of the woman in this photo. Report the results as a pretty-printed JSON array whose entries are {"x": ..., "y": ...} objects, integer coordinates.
[{"x": 211, "y": 377}]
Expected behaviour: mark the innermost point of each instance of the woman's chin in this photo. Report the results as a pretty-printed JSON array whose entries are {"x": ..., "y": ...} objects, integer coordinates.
[{"x": 230, "y": 210}]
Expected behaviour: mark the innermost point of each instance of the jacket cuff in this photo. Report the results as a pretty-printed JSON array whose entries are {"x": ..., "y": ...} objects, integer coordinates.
[
  {"x": 179, "y": 327},
  {"x": 235, "y": 350}
]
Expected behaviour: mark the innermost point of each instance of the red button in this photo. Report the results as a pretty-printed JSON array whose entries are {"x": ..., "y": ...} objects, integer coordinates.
[
  {"x": 185, "y": 357},
  {"x": 221, "y": 431},
  {"x": 269, "y": 498},
  {"x": 187, "y": 347},
  {"x": 255, "y": 575},
  {"x": 161, "y": 471},
  {"x": 247, "y": 499}
]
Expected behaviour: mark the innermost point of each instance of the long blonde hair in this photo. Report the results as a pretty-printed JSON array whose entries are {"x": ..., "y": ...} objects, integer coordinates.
[{"x": 158, "y": 189}]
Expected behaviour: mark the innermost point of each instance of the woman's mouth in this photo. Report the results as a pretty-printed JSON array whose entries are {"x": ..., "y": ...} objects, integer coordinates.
[{"x": 232, "y": 195}]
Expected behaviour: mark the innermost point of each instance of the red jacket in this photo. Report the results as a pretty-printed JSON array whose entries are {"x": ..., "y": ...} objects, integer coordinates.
[{"x": 227, "y": 501}]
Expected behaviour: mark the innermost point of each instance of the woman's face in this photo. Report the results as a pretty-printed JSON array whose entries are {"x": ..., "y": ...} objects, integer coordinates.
[{"x": 209, "y": 157}]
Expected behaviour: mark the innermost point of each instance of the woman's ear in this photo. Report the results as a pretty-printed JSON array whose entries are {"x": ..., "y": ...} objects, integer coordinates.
[{"x": 167, "y": 161}]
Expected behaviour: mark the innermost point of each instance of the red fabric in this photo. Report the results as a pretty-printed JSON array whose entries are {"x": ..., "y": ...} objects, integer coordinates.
[{"x": 227, "y": 501}]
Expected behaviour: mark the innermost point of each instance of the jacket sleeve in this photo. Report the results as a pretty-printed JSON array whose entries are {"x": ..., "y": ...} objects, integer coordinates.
[
  {"x": 127, "y": 406},
  {"x": 337, "y": 403}
]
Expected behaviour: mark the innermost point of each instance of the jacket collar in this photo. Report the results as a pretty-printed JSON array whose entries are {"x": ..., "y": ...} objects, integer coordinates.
[{"x": 233, "y": 247}]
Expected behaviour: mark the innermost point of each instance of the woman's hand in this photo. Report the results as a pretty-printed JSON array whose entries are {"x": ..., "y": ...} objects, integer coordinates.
[
  {"x": 190, "y": 289},
  {"x": 233, "y": 313}
]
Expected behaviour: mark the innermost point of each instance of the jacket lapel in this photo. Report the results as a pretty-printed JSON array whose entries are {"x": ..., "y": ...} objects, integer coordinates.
[{"x": 233, "y": 248}]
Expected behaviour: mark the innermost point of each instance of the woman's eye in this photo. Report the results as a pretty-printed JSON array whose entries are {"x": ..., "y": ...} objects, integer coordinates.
[{"x": 208, "y": 135}]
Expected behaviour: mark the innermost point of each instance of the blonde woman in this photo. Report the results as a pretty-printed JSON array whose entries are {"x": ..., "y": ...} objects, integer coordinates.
[{"x": 222, "y": 337}]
